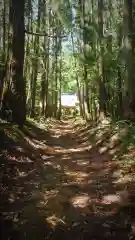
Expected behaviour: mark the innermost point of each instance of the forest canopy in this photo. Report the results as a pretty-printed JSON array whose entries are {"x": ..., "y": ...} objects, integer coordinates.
[{"x": 49, "y": 47}]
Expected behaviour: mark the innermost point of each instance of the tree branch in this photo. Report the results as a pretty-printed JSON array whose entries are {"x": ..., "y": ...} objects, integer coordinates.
[{"x": 44, "y": 34}]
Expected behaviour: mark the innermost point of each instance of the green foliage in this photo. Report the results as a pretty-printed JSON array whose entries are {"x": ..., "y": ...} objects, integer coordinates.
[{"x": 77, "y": 56}]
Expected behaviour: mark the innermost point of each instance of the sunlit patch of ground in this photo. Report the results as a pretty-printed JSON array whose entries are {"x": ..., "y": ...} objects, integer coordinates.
[{"x": 66, "y": 181}]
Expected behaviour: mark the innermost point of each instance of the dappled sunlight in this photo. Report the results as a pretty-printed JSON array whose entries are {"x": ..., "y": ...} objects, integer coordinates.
[
  {"x": 123, "y": 179},
  {"x": 20, "y": 149},
  {"x": 53, "y": 221},
  {"x": 77, "y": 176},
  {"x": 67, "y": 120},
  {"x": 82, "y": 162},
  {"x": 121, "y": 198},
  {"x": 80, "y": 201},
  {"x": 109, "y": 199},
  {"x": 66, "y": 156},
  {"x": 12, "y": 198},
  {"x": 80, "y": 149},
  {"x": 25, "y": 174},
  {"x": 60, "y": 181}
]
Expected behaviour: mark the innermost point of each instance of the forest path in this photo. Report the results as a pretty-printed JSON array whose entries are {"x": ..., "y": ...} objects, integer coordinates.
[{"x": 57, "y": 185}]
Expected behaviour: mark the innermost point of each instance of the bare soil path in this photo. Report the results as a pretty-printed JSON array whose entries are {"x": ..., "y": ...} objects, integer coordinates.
[{"x": 55, "y": 185}]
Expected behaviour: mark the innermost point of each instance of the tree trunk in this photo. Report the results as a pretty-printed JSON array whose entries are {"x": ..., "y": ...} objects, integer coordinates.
[
  {"x": 35, "y": 64},
  {"x": 77, "y": 80},
  {"x": 17, "y": 102},
  {"x": 85, "y": 75},
  {"x": 128, "y": 48},
  {"x": 102, "y": 91}
]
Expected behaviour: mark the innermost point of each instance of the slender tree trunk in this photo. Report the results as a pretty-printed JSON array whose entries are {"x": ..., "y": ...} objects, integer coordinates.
[
  {"x": 4, "y": 31},
  {"x": 119, "y": 75},
  {"x": 59, "y": 83},
  {"x": 102, "y": 91},
  {"x": 35, "y": 64},
  {"x": 4, "y": 54},
  {"x": 47, "y": 80},
  {"x": 45, "y": 59},
  {"x": 85, "y": 43},
  {"x": 28, "y": 67},
  {"x": 56, "y": 76},
  {"x": 77, "y": 80}
]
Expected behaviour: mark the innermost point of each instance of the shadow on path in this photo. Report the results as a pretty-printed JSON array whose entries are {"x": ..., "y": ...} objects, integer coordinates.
[{"x": 54, "y": 187}]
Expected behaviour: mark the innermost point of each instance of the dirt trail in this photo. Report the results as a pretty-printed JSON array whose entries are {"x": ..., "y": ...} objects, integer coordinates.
[{"x": 66, "y": 189}]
